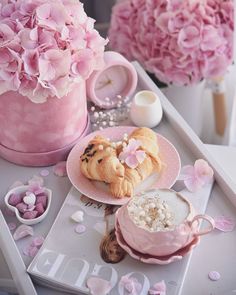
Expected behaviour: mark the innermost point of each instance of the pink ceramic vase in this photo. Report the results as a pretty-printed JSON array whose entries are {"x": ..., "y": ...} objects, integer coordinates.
[{"x": 41, "y": 134}]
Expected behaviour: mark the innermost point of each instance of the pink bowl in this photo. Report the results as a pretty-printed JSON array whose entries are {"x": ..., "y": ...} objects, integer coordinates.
[{"x": 161, "y": 243}]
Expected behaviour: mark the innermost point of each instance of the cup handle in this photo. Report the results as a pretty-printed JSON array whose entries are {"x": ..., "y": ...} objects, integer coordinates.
[{"x": 207, "y": 218}]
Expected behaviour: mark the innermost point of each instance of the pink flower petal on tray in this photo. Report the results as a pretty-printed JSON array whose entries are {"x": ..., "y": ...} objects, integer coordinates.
[
  {"x": 225, "y": 224},
  {"x": 158, "y": 289},
  {"x": 98, "y": 286},
  {"x": 33, "y": 251},
  {"x": 197, "y": 176},
  {"x": 131, "y": 285},
  {"x": 60, "y": 169},
  {"x": 37, "y": 241},
  {"x": 23, "y": 231}
]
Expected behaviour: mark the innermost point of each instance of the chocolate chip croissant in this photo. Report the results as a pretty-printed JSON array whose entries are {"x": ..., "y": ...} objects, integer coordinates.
[
  {"x": 99, "y": 161},
  {"x": 124, "y": 187}
]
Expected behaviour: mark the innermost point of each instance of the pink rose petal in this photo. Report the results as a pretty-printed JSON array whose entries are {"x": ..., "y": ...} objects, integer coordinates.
[
  {"x": 37, "y": 241},
  {"x": 11, "y": 226},
  {"x": 60, "y": 169},
  {"x": 225, "y": 224},
  {"x": 23, "y": 231},
  {"x": 30, "y": 214},
  {"x": 98, "y": 286}
]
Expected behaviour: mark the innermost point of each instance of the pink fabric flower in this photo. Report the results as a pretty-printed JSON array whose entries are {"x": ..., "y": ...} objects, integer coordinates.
[
  {"x": 197, "y": 176},
  {"x": 224, "y": 223},
  {"x": 131, "y": 285},
  {"x": 37, "y": 42},
  {"x": 180, "y": 41},
  {"x": 130, "y": 155},
  {"x": 158, "y": 289}
]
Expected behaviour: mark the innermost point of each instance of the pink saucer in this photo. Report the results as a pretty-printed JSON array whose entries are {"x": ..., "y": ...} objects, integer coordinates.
[
  {"x": 99, "y": 191},
  {"x": 162, "y": 260}
]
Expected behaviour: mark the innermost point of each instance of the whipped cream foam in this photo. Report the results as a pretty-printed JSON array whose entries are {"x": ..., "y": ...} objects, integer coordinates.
[{"x": 159, "y": 211}]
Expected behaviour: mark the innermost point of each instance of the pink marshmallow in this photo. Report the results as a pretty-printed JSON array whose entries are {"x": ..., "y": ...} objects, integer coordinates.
[
  {"x": 14, "y": 199},
  {"x": 22, "y": 207},
  {"x": 39, "y": 208},
  {"x": 42, "y": 199},
  {"x": 30, "y": 214}
]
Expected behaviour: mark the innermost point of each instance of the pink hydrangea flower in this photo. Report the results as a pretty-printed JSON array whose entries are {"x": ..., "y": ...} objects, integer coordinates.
[
  {"x": 195, "y": 177},
  {"x": 181, "y": 42},
  {"x": 130, "y": 155},
  {"x": 46, "y": 47}
]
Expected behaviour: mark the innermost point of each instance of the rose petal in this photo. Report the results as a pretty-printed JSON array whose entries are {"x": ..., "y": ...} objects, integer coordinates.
[
  {"x": 98, "y": 286},
  {"x": 131, "y": 285},
  {"x": 193, "y": 184},
  {"x": 224, "y": 223},
  {"x": 23, "y": 231},
  {"x": 203, "y": 171},
  {"x": 37, "y": 241},
  {"x": 187, "y": 172},
  {"x": 140, "y": 155},
  {"x": 131, "y": 161},
  {"x": 60, "y": 169}
]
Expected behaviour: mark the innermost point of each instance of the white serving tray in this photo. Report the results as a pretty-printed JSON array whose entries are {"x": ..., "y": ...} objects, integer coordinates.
[{"x": 173, "y": 127}]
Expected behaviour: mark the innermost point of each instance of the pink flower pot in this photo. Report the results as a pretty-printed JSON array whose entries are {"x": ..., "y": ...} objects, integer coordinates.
[{"x": 41, "y": 134}]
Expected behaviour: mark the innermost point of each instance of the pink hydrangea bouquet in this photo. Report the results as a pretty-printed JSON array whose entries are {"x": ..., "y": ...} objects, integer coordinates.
[
  {"x": 46, "y": 47},
  {"x": 180, "y": 41}
]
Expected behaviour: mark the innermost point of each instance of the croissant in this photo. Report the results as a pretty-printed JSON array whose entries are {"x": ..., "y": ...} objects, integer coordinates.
[
  {"x": 99, "y": 161},
  {"x": 125, "y": 186}
]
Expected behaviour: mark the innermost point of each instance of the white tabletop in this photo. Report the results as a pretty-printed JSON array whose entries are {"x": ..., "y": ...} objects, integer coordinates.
[{"x": 215, "y": 252}]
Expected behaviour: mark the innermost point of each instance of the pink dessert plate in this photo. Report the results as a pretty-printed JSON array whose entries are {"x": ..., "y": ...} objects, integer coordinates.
[
  {"x": 99, "y": 191},
  {"x": 178, "y": 255}
]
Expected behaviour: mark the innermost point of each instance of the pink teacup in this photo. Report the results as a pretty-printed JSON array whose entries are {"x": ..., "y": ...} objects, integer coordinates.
[{"x": 160, "y": 222}]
